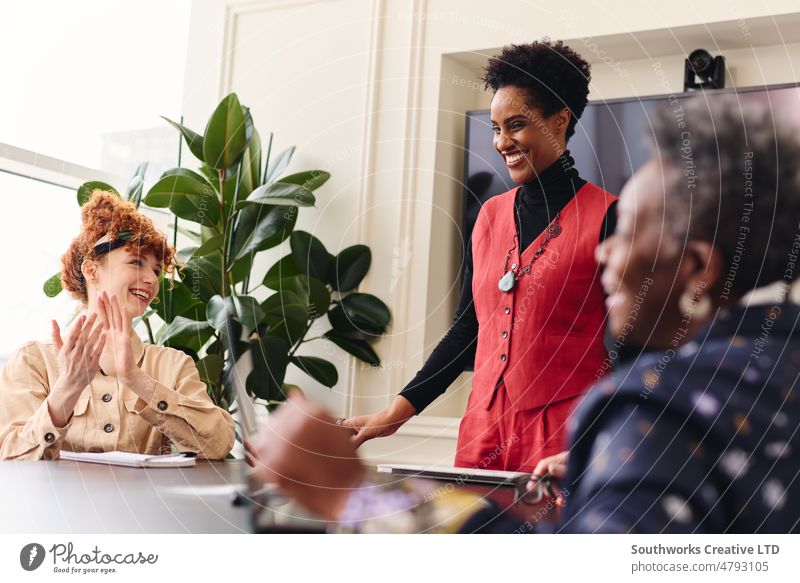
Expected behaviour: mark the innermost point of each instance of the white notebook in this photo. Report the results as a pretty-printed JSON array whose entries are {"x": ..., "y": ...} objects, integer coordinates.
[{"x": 132, "y": 460}]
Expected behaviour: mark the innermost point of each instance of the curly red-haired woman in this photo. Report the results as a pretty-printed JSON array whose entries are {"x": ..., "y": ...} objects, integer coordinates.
[{"x": 100, "y": 388}]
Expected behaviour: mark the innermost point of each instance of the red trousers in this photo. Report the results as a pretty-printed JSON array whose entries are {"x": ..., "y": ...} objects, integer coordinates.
[{"x": 503, "y": 437}]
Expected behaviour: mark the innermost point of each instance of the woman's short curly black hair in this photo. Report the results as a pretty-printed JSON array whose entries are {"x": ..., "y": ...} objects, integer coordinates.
[
  {"x": 553, "y": 75},
  {"x": 732, "y": 178}
]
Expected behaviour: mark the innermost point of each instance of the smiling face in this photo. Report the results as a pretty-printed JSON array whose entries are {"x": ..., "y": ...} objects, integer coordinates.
[
  {"x": 527, "y": 141},
  {"x": 132, "y": 277}
]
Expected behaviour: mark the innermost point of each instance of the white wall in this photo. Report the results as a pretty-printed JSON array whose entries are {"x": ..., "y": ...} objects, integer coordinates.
[{"x": 375, "y": 92}]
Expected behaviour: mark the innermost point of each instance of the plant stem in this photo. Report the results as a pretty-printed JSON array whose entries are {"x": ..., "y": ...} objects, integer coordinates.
[
  {"x": 223, "y": 266},
  {"x": 299, "y": 342},
  {"x": 146, "y": 320}
]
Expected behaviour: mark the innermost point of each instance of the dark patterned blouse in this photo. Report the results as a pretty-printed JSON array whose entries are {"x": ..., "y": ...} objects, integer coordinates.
[{"x": 702, "y": 439}]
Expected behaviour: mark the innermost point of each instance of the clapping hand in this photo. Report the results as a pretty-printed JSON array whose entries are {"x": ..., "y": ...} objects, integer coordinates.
[
  {"x": 78, "y": 357},
  {"x": 117, "y": 327}
]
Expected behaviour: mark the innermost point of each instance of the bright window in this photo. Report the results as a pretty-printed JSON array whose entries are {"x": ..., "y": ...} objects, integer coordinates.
[{"x": 85, "y": 84}]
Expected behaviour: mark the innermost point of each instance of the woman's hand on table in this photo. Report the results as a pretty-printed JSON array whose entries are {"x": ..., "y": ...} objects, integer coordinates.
[{"x": 380, "y": 424}]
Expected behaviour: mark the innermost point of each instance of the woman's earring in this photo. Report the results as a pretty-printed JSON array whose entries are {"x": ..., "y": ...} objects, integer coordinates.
[{"x": 695, "y": 307}]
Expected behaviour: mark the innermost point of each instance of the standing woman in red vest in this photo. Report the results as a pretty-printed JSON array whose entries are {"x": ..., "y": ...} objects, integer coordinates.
[{"x": 532, "y": 310}]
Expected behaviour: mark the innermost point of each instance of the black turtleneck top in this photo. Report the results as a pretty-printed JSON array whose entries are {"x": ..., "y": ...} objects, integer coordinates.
[{"x": 536, "y": 203}]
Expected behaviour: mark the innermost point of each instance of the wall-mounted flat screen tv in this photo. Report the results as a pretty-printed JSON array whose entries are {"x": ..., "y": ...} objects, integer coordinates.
[{"x": 610, "y": 142}]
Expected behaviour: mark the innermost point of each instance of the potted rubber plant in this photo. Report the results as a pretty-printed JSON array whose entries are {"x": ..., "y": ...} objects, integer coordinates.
[{"x": 239, "y": 203}]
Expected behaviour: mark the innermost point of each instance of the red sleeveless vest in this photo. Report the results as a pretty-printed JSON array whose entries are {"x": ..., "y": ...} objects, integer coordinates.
[{"x": 545, "y": 337}]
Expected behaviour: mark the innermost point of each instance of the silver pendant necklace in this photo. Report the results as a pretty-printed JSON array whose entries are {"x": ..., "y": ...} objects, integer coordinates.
[{"x": 511, "y": 276}]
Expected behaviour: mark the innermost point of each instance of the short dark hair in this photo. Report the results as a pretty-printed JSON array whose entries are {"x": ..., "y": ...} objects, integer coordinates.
[
  {"x": 732, "y": 178},
  {"x": 553, "y": 75}
]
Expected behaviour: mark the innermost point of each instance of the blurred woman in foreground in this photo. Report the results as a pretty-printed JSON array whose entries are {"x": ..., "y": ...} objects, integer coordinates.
[{"x": 698, "y": 434}]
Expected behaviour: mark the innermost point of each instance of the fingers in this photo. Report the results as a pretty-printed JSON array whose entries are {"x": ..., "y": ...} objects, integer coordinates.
[
  {"x": 360, "y": 437},
  {"x": 542, "y": 468},
  {"x": 97, "y": 351},
  {"x": 94, "y": 344},
  {"x": 74, "y": 333},
  {"x": 354, "y": 423},
  {"x": 55, "y": 332},
  {"x": 82, "y": 334},
  {"x": 105, "y": 317},
  {"x": 557, "y": 469},
  {"x": 555, "y": 465},
  {"x": 116, "y": 314}
]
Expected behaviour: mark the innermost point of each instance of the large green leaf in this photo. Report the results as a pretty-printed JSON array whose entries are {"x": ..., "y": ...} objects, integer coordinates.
[
  {"x": 184, "y": 301},
  {"x": 193, "y": 235},
  {"x": 283, "y": 326},
  {"x": 358, "y": 348},
  {"x": 287, "y": 304},
  {"x": 246, "y": 308},
  {"x": 188, "y": 195},
  {"x": 369, "y": 307},
  {"x": 270, "y": 359},
  {"x": 308, "y": 291},
  {"x": 318, "y": 368},
  {"x": 349, "y": 267},
  {"x": 250, "y": 177},
  {"x": 210, "y": 368},
  {"x": 203, "y": 275},
  {"x": 311, "y": 179},
  {"x": 261, "y": 228},
  {"x": 225, "y": 138},
  {"x": 286, "y": 315},
  {"x": 133, "y": 191},
  {"x": 210, "y": 245},
  {"x": 52, "y": 287},
  {"x": 360, "y": 316},
  {"x": 280, "y": 193},
  {"x": 190, "y": 344},
  {"x": 86, "y": 189},
  {"x": 193, "y": 140},
  {"x": 183, "y": 327},
  {"x": 310, "y": 255},
  {"x": 277, "y": 165},
  {"x": 284, "y": 268},
  {"x": 186, "y": 253}
]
